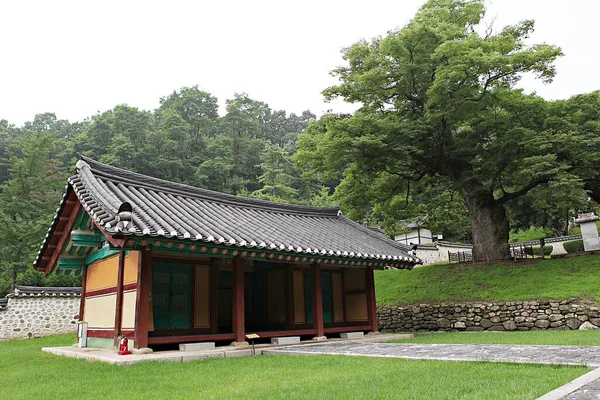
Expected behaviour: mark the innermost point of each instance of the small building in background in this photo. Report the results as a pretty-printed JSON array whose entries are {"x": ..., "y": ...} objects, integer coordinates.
[{"x": 418, "y": 234}]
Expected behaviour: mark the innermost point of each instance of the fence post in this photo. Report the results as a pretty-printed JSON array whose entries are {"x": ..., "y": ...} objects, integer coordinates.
[{"x": 542, "y": 244}]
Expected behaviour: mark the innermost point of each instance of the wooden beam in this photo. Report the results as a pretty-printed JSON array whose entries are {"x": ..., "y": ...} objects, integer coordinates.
[
  {"x": 119, "y": 306},
  {"x": 63, "y": 237},
  {"x": 371, "y": 301},
  {"x": 142, "y": 304},
  {"x": 83, "y": 287},
  {"x": 317, "y": 294},
  {"x": 238, "y": 313}
]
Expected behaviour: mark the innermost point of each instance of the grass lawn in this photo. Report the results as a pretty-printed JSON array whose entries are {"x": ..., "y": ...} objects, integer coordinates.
[
  {"x": 540, "y": 279},
  {"x": 564, "y": 338},
  {"x": 26, "y": 372}
]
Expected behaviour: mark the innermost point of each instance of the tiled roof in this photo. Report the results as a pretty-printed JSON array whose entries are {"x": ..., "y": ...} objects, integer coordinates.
[
  {"x": 124, "y": 203},
  {"x": 34, "y": 291},
  {"x": 3, "y": 303}
]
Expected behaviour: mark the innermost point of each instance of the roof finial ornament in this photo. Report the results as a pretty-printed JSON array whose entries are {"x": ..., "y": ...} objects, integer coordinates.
[{"x": 124, "y": 217}]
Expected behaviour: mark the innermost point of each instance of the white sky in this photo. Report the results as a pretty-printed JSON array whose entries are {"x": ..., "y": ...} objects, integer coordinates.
[{"x": 77, "y": 58}]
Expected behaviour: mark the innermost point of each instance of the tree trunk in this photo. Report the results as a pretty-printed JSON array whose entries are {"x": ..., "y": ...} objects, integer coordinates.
[{"x": 489, "y": 223}]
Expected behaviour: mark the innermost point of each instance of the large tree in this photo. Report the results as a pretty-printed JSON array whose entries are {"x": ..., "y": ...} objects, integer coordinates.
[{"x": 438, "y": 98}]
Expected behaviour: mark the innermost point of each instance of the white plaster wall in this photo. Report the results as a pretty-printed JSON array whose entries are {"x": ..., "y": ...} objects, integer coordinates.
[
  {"x": 430, "y": 256},
  {"x": 26, "y": 317}
]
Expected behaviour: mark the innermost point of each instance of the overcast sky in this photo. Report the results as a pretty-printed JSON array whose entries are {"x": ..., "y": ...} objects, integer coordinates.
[{"x": 78, "y": 58}]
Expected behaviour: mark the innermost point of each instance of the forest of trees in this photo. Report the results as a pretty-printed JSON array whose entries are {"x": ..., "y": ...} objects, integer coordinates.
[
  {"x": 247, "y": 151},
  {"x": 442, "y": 130}
]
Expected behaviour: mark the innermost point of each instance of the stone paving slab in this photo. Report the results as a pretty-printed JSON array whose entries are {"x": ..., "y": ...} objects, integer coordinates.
[
  {"x": 587, "y": 392},
  {"x": 566, "y": 355},
  {"x": 111, "y": 357}
]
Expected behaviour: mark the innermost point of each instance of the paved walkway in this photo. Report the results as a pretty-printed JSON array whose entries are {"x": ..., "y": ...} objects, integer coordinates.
[{"x": 569, "y": 355}]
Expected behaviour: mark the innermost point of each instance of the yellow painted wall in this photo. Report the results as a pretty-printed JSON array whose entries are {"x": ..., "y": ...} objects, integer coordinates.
[
  {"x": 128, "y": 318},
  {"x": 132, "y": 259},
  {"x": 102, "y": 274},
  {"x": 100, "y": 311}
]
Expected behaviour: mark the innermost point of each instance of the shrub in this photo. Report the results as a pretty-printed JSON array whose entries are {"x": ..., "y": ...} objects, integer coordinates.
[
  {"x": 547, "y": 250},
  {"x": 573, "y": 246}
]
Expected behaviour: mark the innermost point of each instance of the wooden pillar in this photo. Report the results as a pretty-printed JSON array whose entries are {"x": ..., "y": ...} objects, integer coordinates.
[
  {"x": 83, "y": 286},
  {"x": 317, "y": 301},
  {"x": 371, "y": 301},
  {"x": 119, "y": 306},
  {"x": 142, "y": 302},
  {"x": 239, "y": 329},
  {"x": 214, "y": 296}
]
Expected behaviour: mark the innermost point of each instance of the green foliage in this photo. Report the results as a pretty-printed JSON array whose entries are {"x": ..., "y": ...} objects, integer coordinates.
[
  {"x": 439, "y": 100},
  {"x": 545, "y": 279},
  {"x": 274, "y": 377},
  {"x": 246, "y": 151},
  {"x": 527, "y": 235},
  {"x": 573, "y": 246},
  {"x": 547, "y": 250}
]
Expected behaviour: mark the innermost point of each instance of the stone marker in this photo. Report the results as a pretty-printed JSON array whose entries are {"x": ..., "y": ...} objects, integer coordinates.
[
  {"x": 589, "y": 231},
  {"x": 204, "y": 346},
  {"x": 352, "y": 335},
  {"x": 285, "y": 340}
]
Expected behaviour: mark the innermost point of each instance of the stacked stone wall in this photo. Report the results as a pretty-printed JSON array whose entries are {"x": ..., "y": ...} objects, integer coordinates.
[
  {"x": 36, "y": 316},
  {"x": 484, "y": 316}
]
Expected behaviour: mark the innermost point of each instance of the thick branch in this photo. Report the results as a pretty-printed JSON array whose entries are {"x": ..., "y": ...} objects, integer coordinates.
[{"x": 513, "y": 195}]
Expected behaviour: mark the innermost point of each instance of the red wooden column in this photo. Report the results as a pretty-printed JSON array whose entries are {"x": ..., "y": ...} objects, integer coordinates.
[
  {"x": 371, "y": 302},
  {"x": 317, "y": 301},
  {"x": 83, "y": 285},
  {"x": 239, "y": 329},
  {"x": 142, "y": 303},
  {"x": 119, "y": 306}
]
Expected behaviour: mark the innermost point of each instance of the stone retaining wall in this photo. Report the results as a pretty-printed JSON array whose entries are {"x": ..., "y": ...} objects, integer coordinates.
[
  {"x": 483, "y": 316},
  {"x": 40, "y": 315}
]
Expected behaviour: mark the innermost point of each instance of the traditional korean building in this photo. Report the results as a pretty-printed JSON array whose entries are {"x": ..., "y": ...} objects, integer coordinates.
[{"x": 166, "y": 263}]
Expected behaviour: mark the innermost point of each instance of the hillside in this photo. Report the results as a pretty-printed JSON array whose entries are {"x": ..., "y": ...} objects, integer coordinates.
[{"x": 543, "y": 279}]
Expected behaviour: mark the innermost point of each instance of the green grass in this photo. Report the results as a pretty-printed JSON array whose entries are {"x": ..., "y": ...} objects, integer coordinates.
[
  {"x": 28, "y": 373},
  {"x": 558, "y": 338},
  {"x": 544, "y": 279},
  {"x": 532, "y": 233}
]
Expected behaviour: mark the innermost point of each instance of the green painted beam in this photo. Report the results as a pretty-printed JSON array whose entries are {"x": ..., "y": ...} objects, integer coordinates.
[
  {"x": 86, "y": 239},
  {"x": 101, "y": 254},
  {"x": 71, "y": 263},
  {"x": 200, "y": 249}
]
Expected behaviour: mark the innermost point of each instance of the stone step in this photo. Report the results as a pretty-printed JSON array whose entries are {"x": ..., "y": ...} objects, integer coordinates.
[
  {"x": 352, "y": 335},
  {"x": 285, "y": 340},
  {"x": 203, "y": 346}
]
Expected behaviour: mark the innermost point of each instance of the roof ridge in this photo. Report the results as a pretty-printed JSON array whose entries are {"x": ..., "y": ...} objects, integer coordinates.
[{"x": 123, "y": 175}]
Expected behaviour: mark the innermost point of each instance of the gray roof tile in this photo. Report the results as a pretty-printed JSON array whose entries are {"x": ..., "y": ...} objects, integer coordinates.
[{"x": 173, "y": 210}]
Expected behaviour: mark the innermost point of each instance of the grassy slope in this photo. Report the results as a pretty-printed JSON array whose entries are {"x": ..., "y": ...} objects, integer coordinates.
[
  {"x": 546, "y": 279},
  {"x": 559, "y": 338},
  {"x": 29, "y": 373}
]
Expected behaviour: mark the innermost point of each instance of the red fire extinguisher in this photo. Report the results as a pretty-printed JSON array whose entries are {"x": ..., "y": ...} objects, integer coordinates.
[{"x": 123, "y": 347}]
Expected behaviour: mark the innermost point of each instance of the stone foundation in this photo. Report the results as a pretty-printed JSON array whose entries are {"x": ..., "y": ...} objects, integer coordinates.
[
  {"x": 483, "y": 316},
  {"x": 27, "y": 316}
]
